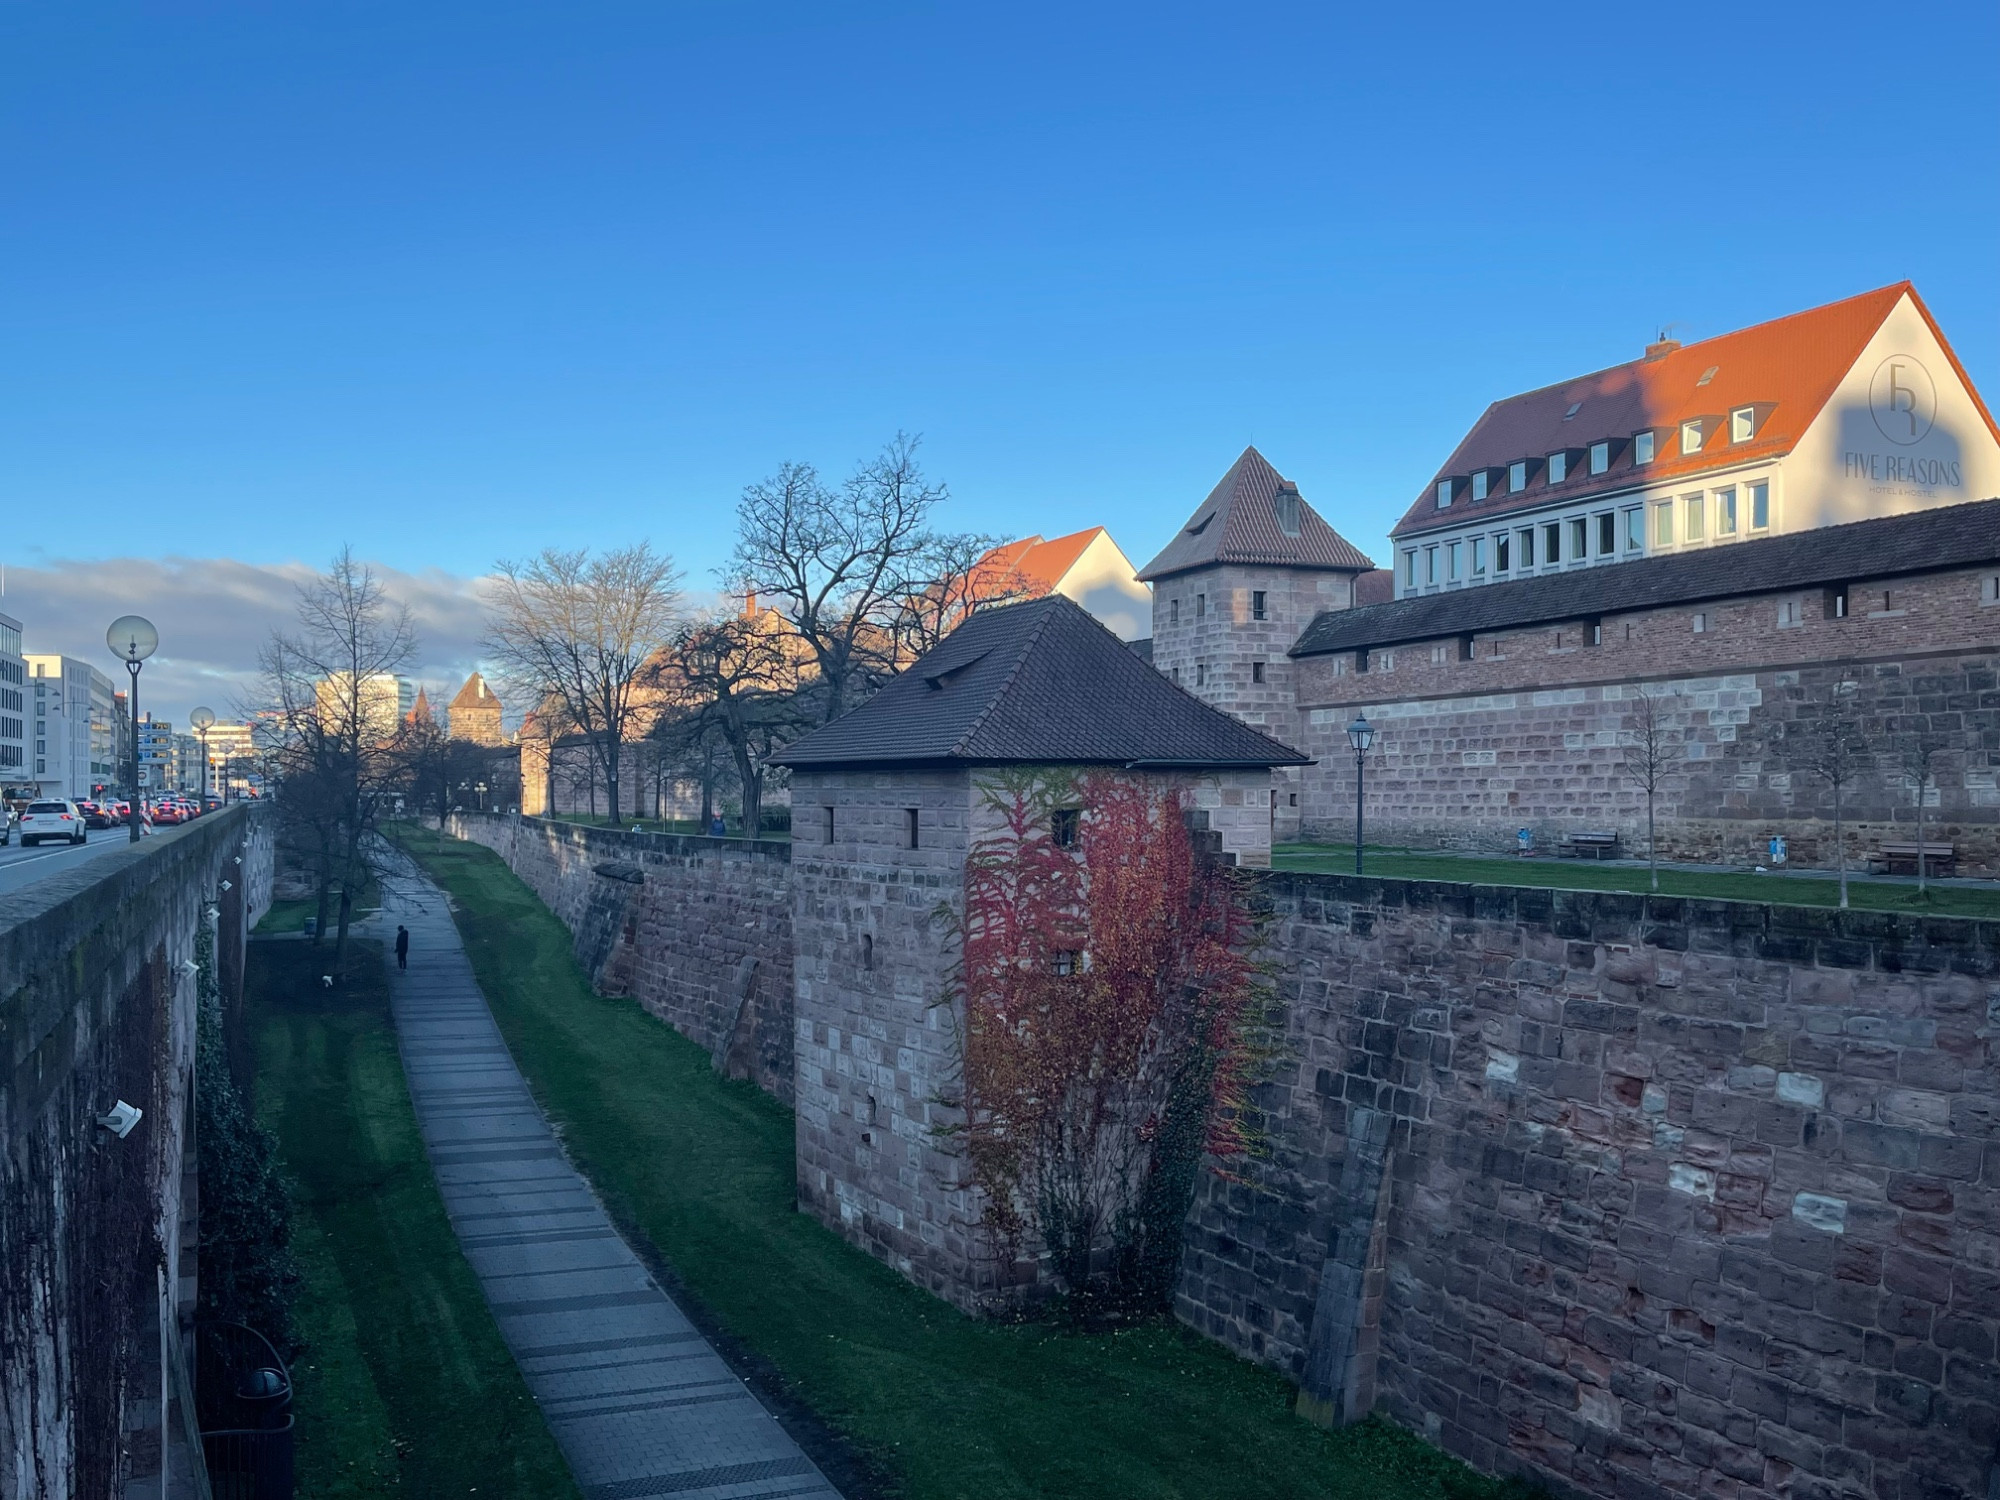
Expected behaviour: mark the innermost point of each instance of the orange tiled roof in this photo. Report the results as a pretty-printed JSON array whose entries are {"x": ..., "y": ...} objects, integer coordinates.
[
  {"x": 1032, "y": 566},
  {"x": 1786, "y": 369}
]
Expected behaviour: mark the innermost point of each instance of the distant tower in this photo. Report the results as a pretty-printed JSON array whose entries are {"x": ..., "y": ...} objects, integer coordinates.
[
  {"x": 420, "y": 710},
  {"x": 1235, "y": 588},
  {"x": 475, "y": 714}
]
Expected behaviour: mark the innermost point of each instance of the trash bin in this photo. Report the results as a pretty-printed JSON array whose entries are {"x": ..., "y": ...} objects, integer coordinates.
[{"x": 311, "y": 928}]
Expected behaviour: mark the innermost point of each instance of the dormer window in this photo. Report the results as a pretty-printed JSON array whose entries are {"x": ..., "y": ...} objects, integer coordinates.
[
  {"x": 1642, "y": 447},
  {"x": 1444, "y": 494},
  {"x": 1743, "y": 424},
  {"x": 1288, "y": 511},
  {"x": 1691, "y": 436},
  {"x": 1600, "y": 457},
  {"x": 1517, "y": 477},
  {"x": 1479, "y": 484},
  {"x": 1558, "y": 467}
]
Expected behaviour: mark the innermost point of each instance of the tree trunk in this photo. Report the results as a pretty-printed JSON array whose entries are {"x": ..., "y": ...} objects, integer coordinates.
[
  {"x": 1923, "y": 884},
  {"x": 346, "y": 912},
  {"x": 753, "y": 792},
  {"x": 1652, "y": 843},
  {"x": 325, "y": 901},
  {"x": 1840, "y": 845},
  {"x": 611, "y": 749}
]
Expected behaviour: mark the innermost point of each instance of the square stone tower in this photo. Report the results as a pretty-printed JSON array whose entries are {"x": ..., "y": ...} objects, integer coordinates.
[
  {"x": 887, "y": 803},
  {"x": 1237, "y": 585}
]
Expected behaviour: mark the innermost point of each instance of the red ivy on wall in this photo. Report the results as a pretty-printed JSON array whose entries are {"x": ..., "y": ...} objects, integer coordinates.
[{"x": 1111, "y": 1022}]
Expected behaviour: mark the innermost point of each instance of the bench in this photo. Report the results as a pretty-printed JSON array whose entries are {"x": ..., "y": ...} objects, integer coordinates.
[
  {"x": 1590, "y": 845},
  {"x": 1901, "y": 859}
]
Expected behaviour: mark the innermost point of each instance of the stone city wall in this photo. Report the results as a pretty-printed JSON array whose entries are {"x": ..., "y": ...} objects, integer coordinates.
[
  {"x": 1530, "y": 730},
  {"x": 1655, "y": 1197},
  {"x": 97, "y": 1004},
  {"x": 697, "y": 930}
]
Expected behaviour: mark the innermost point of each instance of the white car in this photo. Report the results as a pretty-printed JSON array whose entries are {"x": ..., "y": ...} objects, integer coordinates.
[{"x": 52, "y": 820}]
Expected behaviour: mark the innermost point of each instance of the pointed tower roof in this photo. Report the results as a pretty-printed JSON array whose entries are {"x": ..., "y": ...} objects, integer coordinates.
[
  {"x": 475, "y": 693},
  {"x": 1240, "y": 522},
  {"x": 1036, "y": 683},
  {"x": 421, "y": 709}
]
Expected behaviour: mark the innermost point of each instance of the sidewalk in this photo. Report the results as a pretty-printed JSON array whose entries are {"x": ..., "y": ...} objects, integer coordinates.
[{"x": 639, "y": 1402}]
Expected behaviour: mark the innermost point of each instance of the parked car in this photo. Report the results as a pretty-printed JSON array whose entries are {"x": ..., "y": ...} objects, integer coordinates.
[
  {"x": 166, "y": 812},
  {"x": 53, "y": 820}
]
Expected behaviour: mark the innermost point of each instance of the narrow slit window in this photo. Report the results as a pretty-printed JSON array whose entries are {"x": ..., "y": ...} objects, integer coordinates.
[
  {"x": 867, "y": 951},
  {"x": 829, "y": 823},
  {"x": 1256, "y": 671},
  {"x": 910, "y": 828},
  {"x": 1258, "y": 600},
  {"x": 1173, "y": 611}
]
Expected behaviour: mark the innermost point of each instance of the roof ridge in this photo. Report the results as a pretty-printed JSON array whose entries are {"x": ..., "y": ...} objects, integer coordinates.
[{"x": 1047, "y": 603}]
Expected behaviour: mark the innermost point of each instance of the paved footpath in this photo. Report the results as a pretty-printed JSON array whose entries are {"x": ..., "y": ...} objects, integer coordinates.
[{"x": 640, "y": 1403}]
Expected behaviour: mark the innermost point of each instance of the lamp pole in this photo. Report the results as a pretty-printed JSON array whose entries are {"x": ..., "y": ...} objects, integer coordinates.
[
  {"x": 201, "y": 718},
  {"x": 1360, "y": 734},
  {"x": 132, "y": 639}
]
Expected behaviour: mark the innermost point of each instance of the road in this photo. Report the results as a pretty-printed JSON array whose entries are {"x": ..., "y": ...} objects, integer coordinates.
[{"x": 22, "y": 867}]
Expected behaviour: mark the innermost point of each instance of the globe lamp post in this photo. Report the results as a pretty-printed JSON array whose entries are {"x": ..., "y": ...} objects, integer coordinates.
[
  {"x": 200, "y": 720},
  {"x": 1360, "y": 734},
  {"x": 132, "y": 639}
]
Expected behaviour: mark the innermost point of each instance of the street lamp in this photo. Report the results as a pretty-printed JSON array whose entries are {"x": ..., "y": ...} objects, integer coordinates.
[
  {"x": 132, "y": 639},
  {"x": 201, "y": 718},
  {"x": 1360, "y": 734},
  {"x": 481, "y": 789}
]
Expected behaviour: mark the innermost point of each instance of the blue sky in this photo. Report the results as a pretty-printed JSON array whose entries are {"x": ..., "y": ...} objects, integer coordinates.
[{"x": 454, "y": 282}]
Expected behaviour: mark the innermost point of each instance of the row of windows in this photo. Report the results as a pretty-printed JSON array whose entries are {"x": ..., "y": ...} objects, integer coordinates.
[
  {"x": 1064, "y": 825},
  {"x": 1260, "y": 608},
  {"x": 1556, "y": 467},
  {"x": 1579, "y": 538},
  {"x": 1201, "y": 673},
  {"x": 1836, "y": 603}
]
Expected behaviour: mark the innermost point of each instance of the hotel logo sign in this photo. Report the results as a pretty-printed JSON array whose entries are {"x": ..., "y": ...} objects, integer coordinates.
[{"x": 1902, "y": 400}]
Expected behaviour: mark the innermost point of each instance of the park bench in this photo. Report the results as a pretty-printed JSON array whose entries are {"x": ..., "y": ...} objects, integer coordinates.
[
  {"x": 1591, "y": 845},
  {"x": 1901, "y": 859}
]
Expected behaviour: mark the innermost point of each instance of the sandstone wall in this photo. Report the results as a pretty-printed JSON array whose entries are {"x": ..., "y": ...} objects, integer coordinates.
[
  {"x": 97, "y": 1003},
  {"x": 1529, "y": 729},
  {"x": 697, "y": 930},
  {"x": 1661, "y": 1198}
]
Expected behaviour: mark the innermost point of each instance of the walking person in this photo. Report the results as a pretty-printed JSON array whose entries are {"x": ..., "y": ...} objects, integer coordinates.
[{"x": 402, "y": 947}]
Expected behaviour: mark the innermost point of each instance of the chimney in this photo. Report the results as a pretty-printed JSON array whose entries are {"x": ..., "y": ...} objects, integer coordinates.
[{"x": 1661, "y": 347}]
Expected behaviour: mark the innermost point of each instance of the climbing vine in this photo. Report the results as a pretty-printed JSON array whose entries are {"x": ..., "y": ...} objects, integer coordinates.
[{"x": 1111, "y": 1018}]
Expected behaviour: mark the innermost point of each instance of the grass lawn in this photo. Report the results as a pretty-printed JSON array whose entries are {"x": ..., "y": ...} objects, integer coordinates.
[
  {"x": 1592, "y": 875},
  {"x": 405, "y": 1387},
  {"x": 942, "y": 1407},
  {"x": 667, "y": 825}
]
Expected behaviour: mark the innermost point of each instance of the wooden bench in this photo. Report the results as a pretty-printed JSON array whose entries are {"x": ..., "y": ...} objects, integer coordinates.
[
  {"x": 1901, "y": 859},
  {"x": 1590, "y": 845}
]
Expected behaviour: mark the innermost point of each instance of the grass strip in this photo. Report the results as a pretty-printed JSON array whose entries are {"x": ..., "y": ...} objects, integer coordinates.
[
  {"x": 947, "y": 1407},
  {"x": 1864, "y": 894},
  {"x": 406, "y": 1387}
]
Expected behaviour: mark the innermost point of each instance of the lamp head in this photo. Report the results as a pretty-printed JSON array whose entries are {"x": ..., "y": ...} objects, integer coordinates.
[
  {"x": 1361, "y": 734},
  {"x": 201, "y": 718},
  {"x": 132, "y": 638}
]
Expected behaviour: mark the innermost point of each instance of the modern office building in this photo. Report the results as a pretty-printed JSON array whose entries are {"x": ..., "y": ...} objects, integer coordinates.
[
  {"x": 14, "y": 768},
  {"x": 73, "y": 711}
]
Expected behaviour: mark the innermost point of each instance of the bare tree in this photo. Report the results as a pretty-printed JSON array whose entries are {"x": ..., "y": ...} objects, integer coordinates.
[
  {"x": 837, "y": 563},
  {"x": 330, "y": 723},
  {"x": 1652, "y": 750},
  {"x": 580, "y": 631},
  {"x": 1835, "y": 751},
  {"x": 435, "y": 766},
  {"x": 949, "y": 577},
  {"x": 737, "y": 677},
  {"x": 1920, "y": 747}
]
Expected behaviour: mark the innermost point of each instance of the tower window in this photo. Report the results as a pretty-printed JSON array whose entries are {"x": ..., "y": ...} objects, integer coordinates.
[
  {"x": 1257, "y": 601},
  {"x": 1600, "y": 457},
  {"x": 909, "y": 828},
  {"x": 1593, "y": 632},
  {"x": 1444, "y": 494},
  {"x": 1361, "y": 659},
  {"x": 1836, "y": 602},
  {"x": 1465, "y": 648},
  {"x": 1288, "y": 511},
  {"x": 1200, "y": 606},
  {"x": 829, "y": 823},
  {"x": 1517, "y": 477},
  {"x": 1201, "y": 674},
  {"x": 1173, "y": 611},
  {"x": 867, "y": 951},
  {"x": 1256, "y": 671},
  {"x": 1701, "y": 622}
]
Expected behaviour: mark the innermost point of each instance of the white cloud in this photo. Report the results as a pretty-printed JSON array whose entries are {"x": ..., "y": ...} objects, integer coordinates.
[{"x": 214, "y": 615}]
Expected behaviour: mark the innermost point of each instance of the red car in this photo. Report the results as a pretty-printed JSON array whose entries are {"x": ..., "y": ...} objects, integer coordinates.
[{"x": 164, "y": 813}]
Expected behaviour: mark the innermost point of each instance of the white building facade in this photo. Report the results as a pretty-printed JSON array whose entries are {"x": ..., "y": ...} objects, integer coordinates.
[{"x": 73, "y": 712}]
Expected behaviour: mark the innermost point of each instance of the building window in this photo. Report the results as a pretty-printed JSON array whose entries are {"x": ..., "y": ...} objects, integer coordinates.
[
  {"x": 829, "y": 825},
  {"x": 1642, "y": 447},
  {"x": 1579, "y": 539},
  {"x": 1478, "y": 545},
  {"x": 1410, "y": 568},
  {"x": 1691, "y": 437},
  {"x": 1465, "y": 648},
  {"x": 1600, "y": 457},
  {"x": 1360, "y": 658},
  {"x": 1065, "y": 962},
  {"x": 1451, "y": 561},
  {"x": 1200, "y": 606},
  {"x": 1288, "y": 512},
  {"x": 1064, "y": 825},
  {"x": 1835, "y": 605},
  {"x": 1607, "y": 533},
  {"x": 1663, "y": 523},
  {"x": 1760, "y": 506},
  {"x": 1257, "y": 599},
  {"x": 1437, "y": 654},
  {"x": 1386, "y": 662},
  {"x": 1552, "y": 543},
  {"x": 1742, "y": 424},
  {"x": 1444, "y": 494},
  {"x": 1693, "y": 524},
  {"x": 1725, "y": 512},
  {"x": 910, "y": 834},
  {"x": 867, "y": 951},
  {"x": 1177, "y": 675},
  {"x": 1558, "y": 467},
  {"x": 1517, "y": 477},
  {"x": 1790, "y": 612},
  {"x": 1593, "y": 632},
  {"x": 1201, "y": 674},
  {"x": 1256, "y": 671},
  {"x": 1500, "y": 550},
  {"x": 1430, "y": 565},
  {"x": 1173, "y": 611},
  {"x": 1635, "y": 529},
  {"x": 1479, "y": 484},
  {"x": 1526, "y": 538},
  {"x": 1989, "y": 591},
  {"x": 1701, "y": 622}
]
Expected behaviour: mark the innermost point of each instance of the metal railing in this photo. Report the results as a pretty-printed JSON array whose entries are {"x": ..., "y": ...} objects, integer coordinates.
[{"x": 243, "y": 1394}]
